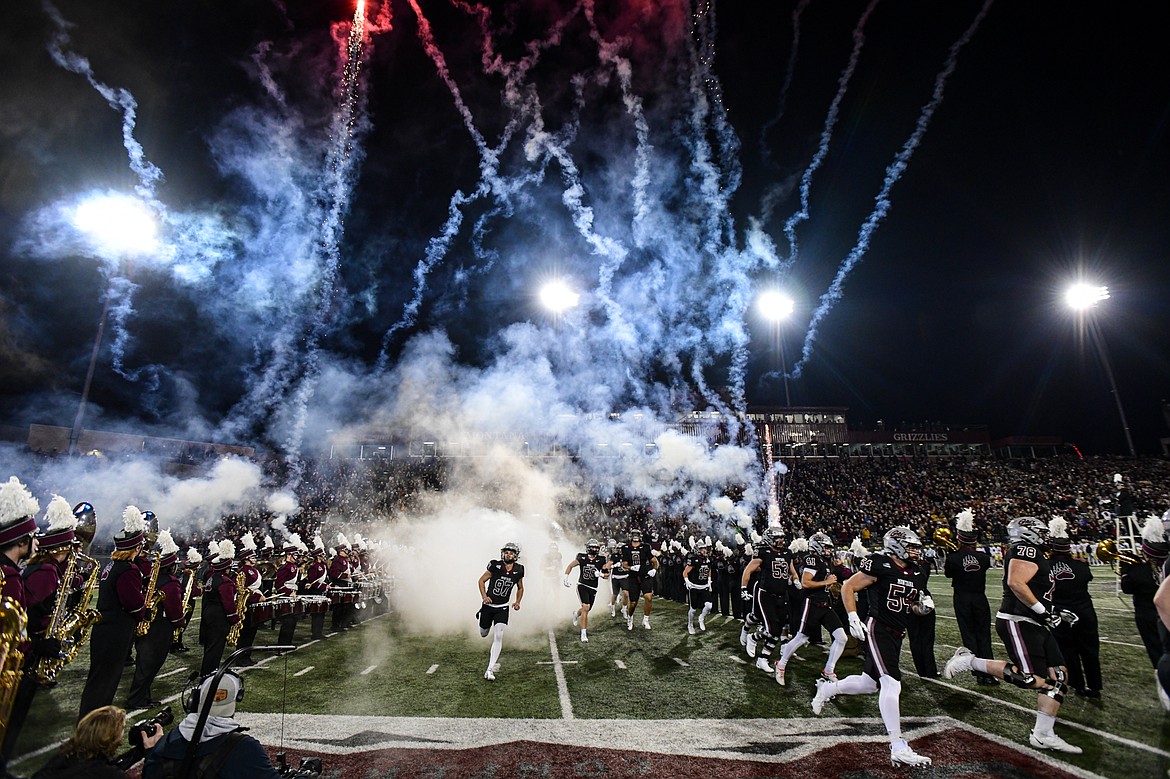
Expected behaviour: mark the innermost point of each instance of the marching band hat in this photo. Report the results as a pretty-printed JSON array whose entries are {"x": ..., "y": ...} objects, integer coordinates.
[
  {"x": 62, "y": 525},
  {"x": 133, "y": 530}
]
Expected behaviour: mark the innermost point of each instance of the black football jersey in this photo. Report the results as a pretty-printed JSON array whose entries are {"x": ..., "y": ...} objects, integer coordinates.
[
  {"x": 1041, "y": 584},
  {"x": 895, "y": 590},
  {"x": 590, "y": 568},
  {"x": 700, "y": 573},
  {"x": 499, "y": 586},
  {"x": 775, "y": 570},
  {"x": 820, "y": 571},
  {"x": 637, "y": 556}
]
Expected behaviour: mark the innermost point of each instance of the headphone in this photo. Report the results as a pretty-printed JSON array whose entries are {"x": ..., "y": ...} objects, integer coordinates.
[{"x": 191, "y": 694}]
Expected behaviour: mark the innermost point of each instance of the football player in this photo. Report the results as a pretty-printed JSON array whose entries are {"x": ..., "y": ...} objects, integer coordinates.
[
  {"x": 769, "y": 594},
  {"x": 640, "y": 564},
  {"x": 495, "y": 590},
  {"x": 1024, "y": 622},
  {"x": 593, "y": 568},
  {"x": 617, "y": 579},
  {"x": 697, "y": 579},
  {"x": 892, "y": 575},
  {"x": 815, "y": 580}
]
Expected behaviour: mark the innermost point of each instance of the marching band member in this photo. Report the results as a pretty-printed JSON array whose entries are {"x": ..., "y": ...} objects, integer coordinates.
[
  {"x": 121, "y": 603},
  {"x": 495, "y": 590},
  {"x": 1141, "y": 579},
  {"x": 1025, "y": 621},
  {"x": 967, "y": 567},
  {"x": 316, "y": 583},
  {"x": 190, "y": 571},
  {"x": 341, "y": 575},
  {"x": 253, "y": 582},
  {"x": 286, "y": 585},
  {"x": 219, "y": 608},
  {"x": 152, "y": 649},
  {"x": 40, "y": 584},
  {"x": 1080, "y": 642}
]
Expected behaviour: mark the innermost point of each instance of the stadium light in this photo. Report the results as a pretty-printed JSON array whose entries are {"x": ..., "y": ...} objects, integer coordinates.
[
  {"x": 117, "y": 226},
  {"x": 558, "y": 297},
  {"x": 1083, "y": 298},
  {"x": 777, "y": 307}
]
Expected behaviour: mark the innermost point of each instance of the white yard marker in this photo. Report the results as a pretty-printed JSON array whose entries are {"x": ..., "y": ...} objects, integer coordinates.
[
  {"x": 304, "y": 671},
  {"x": 562, "y": 687},
  {"x": 330, "y": 635},
  {"x": 681, "y": 662},
  {"x": 738, "y": 659},
  {"x": 308, "y": 643},
  {"x": 367, "y": 671},
  {"x": 620, "y": 664},
  {"x": 171, "y": 673},
  {"x": 432, "y": 669}
]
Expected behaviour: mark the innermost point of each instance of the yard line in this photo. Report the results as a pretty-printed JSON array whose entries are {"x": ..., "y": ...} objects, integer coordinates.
[
  {"x": 621, "y": 666},
  {"x": 367, "y": 671},
  {"x": 171, "y": 673},
  {"x": 432, "y": 669},
  {"x": 562, "y": 687},
  {"x": 1121, "y": 643},
  {"x": 304, "y": 670},
  {"x": 330, "y": 635},
  {"x": 308, "y": 644},
  {"x": 681, "y": 662}
]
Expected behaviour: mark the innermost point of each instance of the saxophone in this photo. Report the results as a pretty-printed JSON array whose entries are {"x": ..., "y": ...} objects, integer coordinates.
[
  {"x": 153, "y": 598},
  {"x": 186, "y": 603},
  {"x": 47, "y": 667},
  {"x": 13, "y": 625},
  {"x": 241, "y": 608}
]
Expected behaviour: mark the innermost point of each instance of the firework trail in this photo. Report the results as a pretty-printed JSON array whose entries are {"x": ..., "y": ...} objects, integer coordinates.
[
  {"x": 826, "y": 135},
  {"x": 882, "y": 201},
  {"x": 773, "y": 193}
]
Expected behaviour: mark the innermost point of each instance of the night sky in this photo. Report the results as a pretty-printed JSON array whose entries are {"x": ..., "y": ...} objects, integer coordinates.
[{"x": 309, "y": 277}]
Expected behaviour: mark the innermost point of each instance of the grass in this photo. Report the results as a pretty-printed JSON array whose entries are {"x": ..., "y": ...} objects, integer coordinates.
[{"x": 653, "y": 683}]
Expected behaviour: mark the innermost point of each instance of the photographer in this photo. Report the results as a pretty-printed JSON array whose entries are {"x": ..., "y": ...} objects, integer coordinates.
[
  {"x": 223, "y": 750},
  {"x": 89, "y": 752}
]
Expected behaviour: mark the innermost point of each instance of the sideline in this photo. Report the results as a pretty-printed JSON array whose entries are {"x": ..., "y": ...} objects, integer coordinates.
[{"x": 562, "y": 687}]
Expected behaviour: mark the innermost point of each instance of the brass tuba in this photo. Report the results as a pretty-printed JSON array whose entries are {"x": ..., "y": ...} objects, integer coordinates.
[
  {"x": 233, "y": 636},
  {"x": 13, "y": 632},
  {"x": 945, "y": 538},
  {"x": 1107, "y": 552}
]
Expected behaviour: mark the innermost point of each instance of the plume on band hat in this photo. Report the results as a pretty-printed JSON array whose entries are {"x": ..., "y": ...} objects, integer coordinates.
[
  {"x": 133, "y": 521},
  {"x": 341, "y": 540},
  {"x": 193, "y": 556},
  {"x": 965, "y": 521},
  {"x": 248, "y": 543},
  {"x": 16, "y": 502},
  {"x": 1152, "y": 530},
  {"x": 1058, "y": 527},
  {"x": 226, "y": 550},
  {"x": 318, "y": 543},
  {"x": 857, "y": 549},
  {"x": 60, "y": 516},
  {"x": 166, "y": 544}
]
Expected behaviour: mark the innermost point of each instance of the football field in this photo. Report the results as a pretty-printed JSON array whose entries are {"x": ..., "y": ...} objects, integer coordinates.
[{"x": 384, "y": 700}]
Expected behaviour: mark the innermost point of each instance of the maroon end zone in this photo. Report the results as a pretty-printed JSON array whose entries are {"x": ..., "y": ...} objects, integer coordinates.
[{"x": 956, "y": 753}]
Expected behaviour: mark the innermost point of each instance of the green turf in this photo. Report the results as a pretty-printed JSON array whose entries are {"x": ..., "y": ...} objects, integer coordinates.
[{"x": 652, "y": 684}]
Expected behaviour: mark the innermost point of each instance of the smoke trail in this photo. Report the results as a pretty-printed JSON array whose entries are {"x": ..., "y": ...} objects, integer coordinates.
[
  {"x": 882, "y": 201},
  {"x": 826, "y": 135},
  {"x": 773, "y": 193}
]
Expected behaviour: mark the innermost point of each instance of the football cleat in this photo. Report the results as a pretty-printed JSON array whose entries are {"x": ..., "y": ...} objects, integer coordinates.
[
  {"x": 743, "y": 636},
  {"x": 780, "y": 676},
  {"x": 1162, "y": 696},
  {"x": 702, "y": 623},
  {"x": 828, "y": 676},
  {"x": 576, "y": 618},
  {"x": 495, "y": 668},
  {"x": 1052, "y": 741},
  {"x": 822, "y": 697},
  {"x": 959, "y": 663},
  {"x": 751, "y": 645},
  {"x": 612, "y": 610},
  {"x": 491, "y": 677},
  {"x": 646, "y": 622},
  {"x": 763, "y": 664},
  {"x": 625, "y": 613},
  {"x": 630, "y": 622},
  {"x": 907, "y": 756},
  {"x": 691, "y": 629},
  {"x": 584, "y": 638}
]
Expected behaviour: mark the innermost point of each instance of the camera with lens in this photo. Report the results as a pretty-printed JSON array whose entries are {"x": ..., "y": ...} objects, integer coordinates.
[
  {"x": 140, "y": 730},
  {"x": 310, "y": 768}
]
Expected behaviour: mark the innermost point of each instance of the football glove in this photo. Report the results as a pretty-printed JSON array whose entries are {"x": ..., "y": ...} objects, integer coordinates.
[
  {"x": 1052, "y": 619},
  {"x": 650, "y": 572},
  {"x": 745, "y": 594},
  {"x": 635, "y": 568},
  {"x": 856, "y": 628},
  {"x": 566, "y": 581}
]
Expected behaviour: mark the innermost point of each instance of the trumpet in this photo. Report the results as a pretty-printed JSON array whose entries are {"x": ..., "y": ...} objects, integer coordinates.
[{"x": 945, "y": 538}]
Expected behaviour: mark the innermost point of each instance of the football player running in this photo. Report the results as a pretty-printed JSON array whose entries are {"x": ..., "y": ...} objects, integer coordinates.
[
  {"x": 617, "y": 580},
  {"x": 815, "y": 580},
  {"x": 495, "y": 589},
  {"x": 593, "y": 567},
  {"x": 891, "y": 574},
  {"x": 1024, "y": 622},
  {"x": 640, "y": 564},
  {"x": 697, "y": 578},
  {"x": 769, "y": 595}
]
